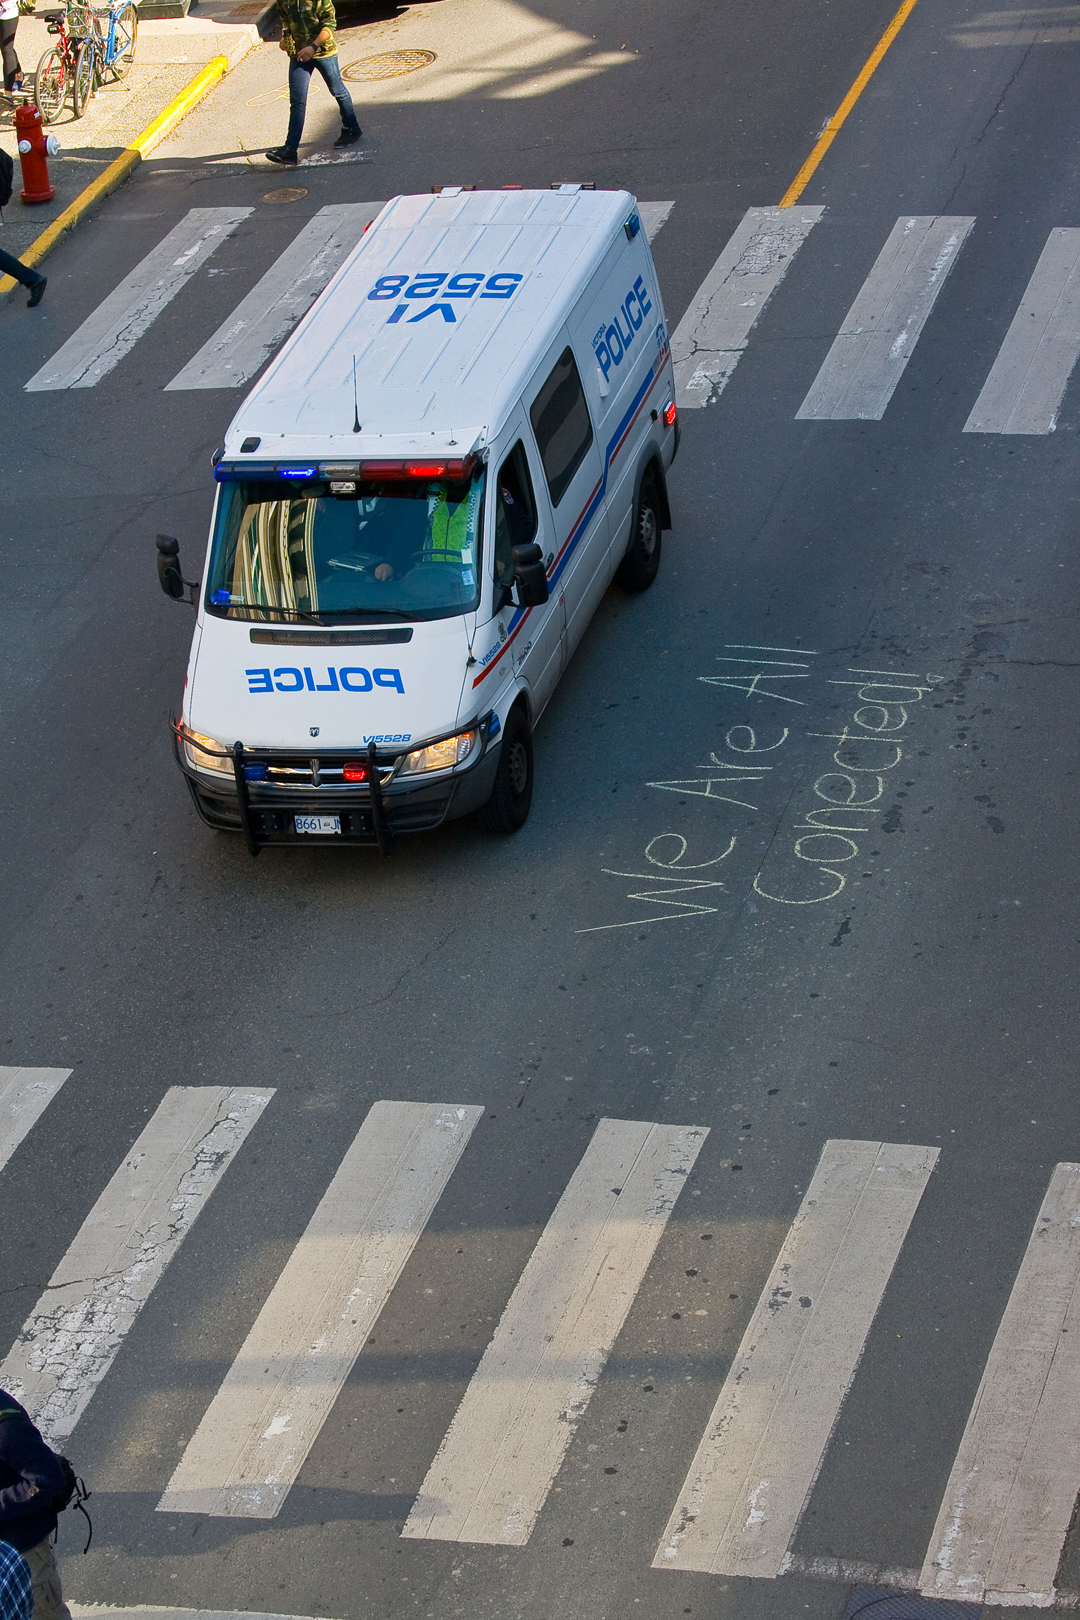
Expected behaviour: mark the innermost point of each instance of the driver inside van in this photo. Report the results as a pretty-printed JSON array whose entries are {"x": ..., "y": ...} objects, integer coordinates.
[{"x": 449, "y": 536}]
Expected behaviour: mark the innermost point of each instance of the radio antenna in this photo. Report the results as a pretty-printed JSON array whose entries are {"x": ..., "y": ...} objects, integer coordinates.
[{"x": 356, "y": 407}]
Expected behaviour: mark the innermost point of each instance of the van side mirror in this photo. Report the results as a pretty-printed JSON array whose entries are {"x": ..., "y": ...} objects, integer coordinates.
[
  {"x": 171, "y": 579},
  {"x": 530, "y": 575}
]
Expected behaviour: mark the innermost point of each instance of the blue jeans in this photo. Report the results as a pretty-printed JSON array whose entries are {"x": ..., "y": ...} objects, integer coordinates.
[{"x": 299, "y": 79}]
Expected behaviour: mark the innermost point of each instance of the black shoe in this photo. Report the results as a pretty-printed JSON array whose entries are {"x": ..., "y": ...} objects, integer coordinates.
[
  {"x": 349, "y": 137},
  {"x": 282, "y": 154},
  {"x": 37, "y": 292}
]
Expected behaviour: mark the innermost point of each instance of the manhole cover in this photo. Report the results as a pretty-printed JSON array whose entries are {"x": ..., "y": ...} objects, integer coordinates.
[
  {"x": 390, "y": 65},
  {"x": 878, "y": 1603},
  {"x": 286, "y": 194}
]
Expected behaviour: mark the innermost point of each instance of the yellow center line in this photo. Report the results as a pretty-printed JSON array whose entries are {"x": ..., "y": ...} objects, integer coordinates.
[{"x": 833, "y": 127}]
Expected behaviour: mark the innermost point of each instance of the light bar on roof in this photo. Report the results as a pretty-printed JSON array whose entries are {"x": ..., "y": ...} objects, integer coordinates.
[{"x": 455, "y": 468}]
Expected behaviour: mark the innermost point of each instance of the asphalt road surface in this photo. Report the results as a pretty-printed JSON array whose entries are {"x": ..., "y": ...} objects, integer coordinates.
[{"x": 678, "y": 936}]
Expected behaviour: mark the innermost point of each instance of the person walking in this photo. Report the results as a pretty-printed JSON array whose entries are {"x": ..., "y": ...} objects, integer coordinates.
[
  {"x": 307, "y": 34},
  {"x": 34, "y": 1484},
  {"x": 16, "y": 1593}
]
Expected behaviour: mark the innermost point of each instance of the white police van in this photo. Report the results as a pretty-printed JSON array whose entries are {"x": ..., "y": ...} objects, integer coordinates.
[{"x": 419, "y": 506}]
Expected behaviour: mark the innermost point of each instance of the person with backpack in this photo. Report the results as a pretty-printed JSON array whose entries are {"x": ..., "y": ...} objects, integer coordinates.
[
  {"x": 35, "y": 1483},
  {"x": 9, "y": 265}
]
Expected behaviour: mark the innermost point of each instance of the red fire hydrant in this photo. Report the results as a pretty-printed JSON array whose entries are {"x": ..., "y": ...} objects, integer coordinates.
[{"x": 34, "y": 148}]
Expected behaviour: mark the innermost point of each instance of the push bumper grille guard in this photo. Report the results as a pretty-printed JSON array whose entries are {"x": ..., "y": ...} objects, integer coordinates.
[
  {"x": 383, "y": 836},
  {"x": 238, "y": 754}
]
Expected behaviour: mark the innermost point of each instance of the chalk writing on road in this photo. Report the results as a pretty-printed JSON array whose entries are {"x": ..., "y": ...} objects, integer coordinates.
[{"x": 760, "y": 769}]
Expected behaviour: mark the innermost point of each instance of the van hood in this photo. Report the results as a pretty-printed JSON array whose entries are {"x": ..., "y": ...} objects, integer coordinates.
[{"x": 284, "y": 693}]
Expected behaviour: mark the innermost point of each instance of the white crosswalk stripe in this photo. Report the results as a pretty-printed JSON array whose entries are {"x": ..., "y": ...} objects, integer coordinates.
[
  {"x": 1028, "y": 379},
  {"x": 500, "y": 1456},
  {"x": 158, "y": 1611},
  {"x": 251, "y": 1444},
  {"x": 883, "y": 325},
  {"x": 71, "y": 1338},
  {"x": 24, "y": 1096},
  {"x": 274, "y": 305},
  {"x": 654, "y": 216},
  {"x": 709, "y": 341},
  {"x": 120, "y": 320},
  {"x": 763, "y": 1447},
  {"x": 1010, "y": 1497}
]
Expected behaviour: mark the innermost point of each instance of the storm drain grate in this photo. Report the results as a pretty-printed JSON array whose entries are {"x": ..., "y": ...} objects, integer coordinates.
[
  {"x": 872, "y": 1603},
  {"x": 390, "y": 65}
]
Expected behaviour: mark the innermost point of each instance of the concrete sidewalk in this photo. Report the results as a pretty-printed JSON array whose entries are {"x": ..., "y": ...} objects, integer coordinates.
[{"x": 169, "y": 53}]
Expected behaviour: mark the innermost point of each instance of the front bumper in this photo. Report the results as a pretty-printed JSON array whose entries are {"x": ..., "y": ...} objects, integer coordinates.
[{"x": 265, "y": 812}]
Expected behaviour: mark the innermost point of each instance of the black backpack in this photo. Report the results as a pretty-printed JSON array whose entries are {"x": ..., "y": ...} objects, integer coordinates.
[
  {"x": 72, "y": 1486},
  {"x": 7, "y": 177}
]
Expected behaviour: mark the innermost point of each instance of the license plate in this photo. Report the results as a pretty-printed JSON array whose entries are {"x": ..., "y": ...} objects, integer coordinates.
[{"x": 317, "y": 824}]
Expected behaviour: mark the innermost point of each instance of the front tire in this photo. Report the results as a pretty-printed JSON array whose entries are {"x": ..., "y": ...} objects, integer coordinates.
[
  {"x": 639, "y": 567},
  {"x": 82, "y": 87},
  {"x": 49, "y": 85},
  {"x": 511, "y": 797}
]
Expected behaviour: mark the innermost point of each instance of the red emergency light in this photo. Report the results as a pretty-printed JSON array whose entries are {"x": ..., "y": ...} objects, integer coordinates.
[
  {"x": 378, "y": 471},
  {"x": 353, "y": 771}
]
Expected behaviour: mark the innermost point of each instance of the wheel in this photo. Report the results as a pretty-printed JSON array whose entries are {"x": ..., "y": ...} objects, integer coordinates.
[
  {"x": 50, "y": 83},
  {"x": 127, "y": 25},
  {"x": 638, "y": 568},
  {"x": 511, "y": 797},
  {"x": 82, "y": 84}
]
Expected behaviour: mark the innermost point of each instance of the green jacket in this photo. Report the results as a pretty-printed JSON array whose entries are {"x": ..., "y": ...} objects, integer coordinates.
[{"x": 301, "y": 20}]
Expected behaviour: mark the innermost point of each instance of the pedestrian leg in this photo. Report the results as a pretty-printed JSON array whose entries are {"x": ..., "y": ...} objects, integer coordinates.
[
  {"x": 299, "y": 80},
  {"x": 48, "y": 1594},
  {"x": 330, "y": 68},
  {"x": 11, "y": 266},
  {"x": 12, "y": 66}
]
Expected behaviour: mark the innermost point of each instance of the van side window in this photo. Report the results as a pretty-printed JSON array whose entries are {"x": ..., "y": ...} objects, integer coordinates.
[
  {"x": 515, "y": 512},
  {"x": 560, "y": 419}
]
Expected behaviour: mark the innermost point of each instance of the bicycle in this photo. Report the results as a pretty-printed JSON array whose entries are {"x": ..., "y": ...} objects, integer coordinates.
[
  {"x": 83, "y": 53},
  {"x": 115, "y": 49},
  {"x": 66, "y": 66}
]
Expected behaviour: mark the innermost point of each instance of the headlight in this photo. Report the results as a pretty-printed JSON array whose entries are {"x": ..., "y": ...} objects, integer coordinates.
[
  {"x": 206, "y": 753},
  {"x": 441, "y": 756}
]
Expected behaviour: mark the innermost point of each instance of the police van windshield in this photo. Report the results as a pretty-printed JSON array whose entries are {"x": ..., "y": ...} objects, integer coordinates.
[{"x": 402, "y": 549}]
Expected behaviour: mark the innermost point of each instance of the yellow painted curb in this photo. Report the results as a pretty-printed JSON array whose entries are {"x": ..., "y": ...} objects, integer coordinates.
[{"x": 120, "y": 168}]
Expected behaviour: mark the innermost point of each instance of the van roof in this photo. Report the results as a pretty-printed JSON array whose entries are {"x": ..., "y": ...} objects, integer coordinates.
[{"x": 438, "y": 361}]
